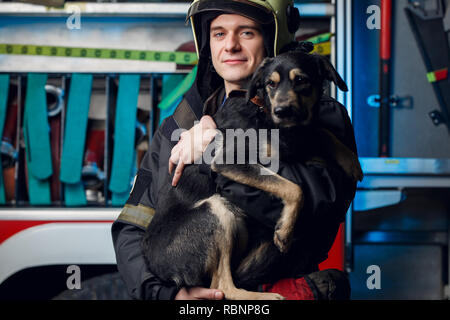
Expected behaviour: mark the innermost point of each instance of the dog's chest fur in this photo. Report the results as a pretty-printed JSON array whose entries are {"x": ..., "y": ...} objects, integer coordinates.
[{"x": 238, "y": 113}]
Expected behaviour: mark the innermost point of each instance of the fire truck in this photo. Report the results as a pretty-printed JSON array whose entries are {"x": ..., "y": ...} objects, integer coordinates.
[{"x": 44, "y": 252}]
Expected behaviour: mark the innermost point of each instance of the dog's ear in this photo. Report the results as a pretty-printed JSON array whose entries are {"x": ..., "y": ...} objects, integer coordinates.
[
  {"x": 298, "y": 46},
  {"x": 330, "y": 73},
  {"x": 257, "y": 81}
]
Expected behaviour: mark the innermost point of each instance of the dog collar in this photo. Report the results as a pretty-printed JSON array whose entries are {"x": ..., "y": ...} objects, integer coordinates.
[{"x": 259, "y": 102}]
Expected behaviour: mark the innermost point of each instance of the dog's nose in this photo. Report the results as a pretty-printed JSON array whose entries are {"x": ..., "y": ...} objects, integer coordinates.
[{"x": 283, "y": 112}]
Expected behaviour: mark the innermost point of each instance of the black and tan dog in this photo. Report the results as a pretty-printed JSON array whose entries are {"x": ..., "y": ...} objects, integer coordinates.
[{"x": 197, "y": 237}]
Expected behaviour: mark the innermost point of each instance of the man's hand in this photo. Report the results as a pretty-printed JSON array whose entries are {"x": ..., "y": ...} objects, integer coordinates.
[
  {"x": 199, "y": 293},
  {"x": 191, "y": 146}
]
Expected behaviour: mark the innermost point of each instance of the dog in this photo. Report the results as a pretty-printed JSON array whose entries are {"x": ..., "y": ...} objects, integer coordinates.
[{"x": 197, "y": 237}]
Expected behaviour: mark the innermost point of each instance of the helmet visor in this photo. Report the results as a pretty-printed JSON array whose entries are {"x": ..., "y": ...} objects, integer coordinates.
[{"x": 244, "y": 8}]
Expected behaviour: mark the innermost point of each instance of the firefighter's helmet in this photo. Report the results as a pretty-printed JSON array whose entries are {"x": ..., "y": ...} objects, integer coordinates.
[{"x": 278, "y": 15}]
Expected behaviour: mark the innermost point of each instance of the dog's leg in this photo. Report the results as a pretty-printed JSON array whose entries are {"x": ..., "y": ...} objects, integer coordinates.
[
  {"x": 335, "y": 149},
  {"x": 255, "y": 267},
  {"x": 222, "y": 280},
  {"x": 290, "y": 193},
  {"x": 220, "y": 268}
]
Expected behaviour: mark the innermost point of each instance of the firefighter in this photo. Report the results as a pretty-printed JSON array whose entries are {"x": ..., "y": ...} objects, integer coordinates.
[{"x": 232, "y": 37}]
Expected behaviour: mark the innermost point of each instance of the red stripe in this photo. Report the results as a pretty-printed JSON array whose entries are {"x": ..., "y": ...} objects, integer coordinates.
[
  {"x": 441, "y": 74},
  {"x": 386, "y": 18},
  {"x": 8, "y": 228}
]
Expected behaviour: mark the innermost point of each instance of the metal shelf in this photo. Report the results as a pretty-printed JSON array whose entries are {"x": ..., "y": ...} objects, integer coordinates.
[
  {"x": 406, "y": 166},
  {"x": 160, "y": 10},
  {"x": 91, "y": 9},
  {"x": 60, "y": 214},
  {"x": 405, "y": 172}
]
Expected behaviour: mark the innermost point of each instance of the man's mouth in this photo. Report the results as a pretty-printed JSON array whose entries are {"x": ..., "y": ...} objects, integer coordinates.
[{"x": 235, "y": 61}]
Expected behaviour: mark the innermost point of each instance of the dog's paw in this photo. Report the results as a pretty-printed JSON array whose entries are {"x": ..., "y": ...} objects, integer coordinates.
[
  {"x": 269, "y": 296},
  {"x": 357, "y": 173},
  {"x": 353, "y": 169},
  {"x": 282, "y": 238},
  {"x": 260, "y": 296},
  {"x": 359, "y": 176},
  {"x": 276, "y": 296}
]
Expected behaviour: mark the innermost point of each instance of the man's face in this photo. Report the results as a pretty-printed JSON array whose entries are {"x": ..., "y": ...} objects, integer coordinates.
[{"x": 237, "y": 48}]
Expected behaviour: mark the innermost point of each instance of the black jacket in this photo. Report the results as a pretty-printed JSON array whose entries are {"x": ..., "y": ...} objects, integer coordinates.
[{"x": 328, "y": 194}]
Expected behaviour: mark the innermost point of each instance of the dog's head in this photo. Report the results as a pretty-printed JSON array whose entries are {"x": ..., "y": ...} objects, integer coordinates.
[{"x": 291, "y": 85}]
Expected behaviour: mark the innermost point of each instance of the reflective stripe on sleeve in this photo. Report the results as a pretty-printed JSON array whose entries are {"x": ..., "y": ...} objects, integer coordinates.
[{"x": 139, "y": 215}]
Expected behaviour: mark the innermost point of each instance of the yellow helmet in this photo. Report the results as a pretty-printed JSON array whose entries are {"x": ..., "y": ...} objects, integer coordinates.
[{"x": 281, "y": 14}]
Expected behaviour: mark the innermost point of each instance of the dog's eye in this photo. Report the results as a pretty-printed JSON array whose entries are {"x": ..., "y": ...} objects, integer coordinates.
[
  {"x": 272, "y": 84},
  {"x": 300, "y": 80}
]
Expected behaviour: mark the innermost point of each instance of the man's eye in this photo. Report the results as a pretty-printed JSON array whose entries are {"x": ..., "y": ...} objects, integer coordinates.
[
  {"x": 218, "y": 34},
  {"x": 247, "y": 34}
]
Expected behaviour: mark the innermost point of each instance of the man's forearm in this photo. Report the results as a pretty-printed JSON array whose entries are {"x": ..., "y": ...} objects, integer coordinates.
[{"x": 140, "y": 282}]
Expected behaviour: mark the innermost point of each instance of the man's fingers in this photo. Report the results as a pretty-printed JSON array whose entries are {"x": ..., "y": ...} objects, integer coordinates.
[
  {"x": 191, "y": 146},
  {"x": 207, "y": 294},
  {"x": 173, "y": 160},
  {"x": 218, "y": 295},
  {"x": 178, "y": 172},
  {"x": 199, "y": 293},
  {"x": 174, "y": 156},
  {"x": 171, "y": 166}
]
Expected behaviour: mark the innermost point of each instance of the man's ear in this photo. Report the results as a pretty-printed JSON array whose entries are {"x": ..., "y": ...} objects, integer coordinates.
[
  {"x": 257, "y": 81},
  {"x": 330, "y": 73}
]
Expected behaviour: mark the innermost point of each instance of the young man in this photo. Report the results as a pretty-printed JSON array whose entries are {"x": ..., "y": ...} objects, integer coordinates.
[{"x": 232, "y": 38}]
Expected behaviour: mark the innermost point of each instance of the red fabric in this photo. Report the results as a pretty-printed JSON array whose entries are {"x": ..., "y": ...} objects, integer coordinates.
[
  {"x": 336, "y": 254},
  {"x": 291, "y": 289}
]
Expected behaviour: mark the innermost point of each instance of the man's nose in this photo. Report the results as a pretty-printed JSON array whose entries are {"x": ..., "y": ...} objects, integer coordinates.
[{"x": 232, "y": 43}]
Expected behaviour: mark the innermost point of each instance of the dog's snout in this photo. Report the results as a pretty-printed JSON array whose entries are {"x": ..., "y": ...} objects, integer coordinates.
[{"x": 283, "y": 112}]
